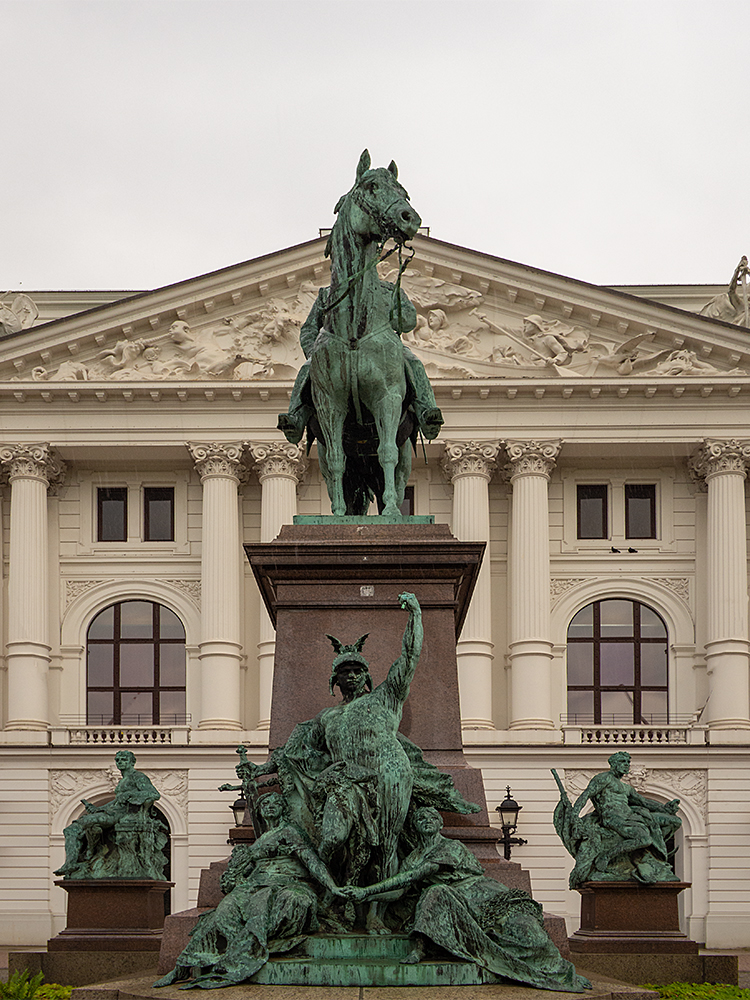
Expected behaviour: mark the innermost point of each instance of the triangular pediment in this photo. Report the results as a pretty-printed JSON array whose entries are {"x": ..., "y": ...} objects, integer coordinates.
[{"x": 479, "y": 317}]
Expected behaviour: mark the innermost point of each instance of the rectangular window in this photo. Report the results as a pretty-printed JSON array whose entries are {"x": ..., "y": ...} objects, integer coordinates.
[
  {"x": 112, "y": 514},
  {"x": 407, "y": 507},
  {"x": 640, "y": 511},
  {"x": 592, "y": 512},
  {"x": 158, "y": 514}
]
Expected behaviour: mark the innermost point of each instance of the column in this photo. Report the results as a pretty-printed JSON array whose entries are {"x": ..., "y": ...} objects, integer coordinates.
[
  {"x": 280, "y": 467},
  {"x": 220, "y": 468},
  {"x": 470, "y": 465},
  {"x": 723, "y": 464},
  {"x": 530, "y": 466},
  {"x": 31, "y": 469}
]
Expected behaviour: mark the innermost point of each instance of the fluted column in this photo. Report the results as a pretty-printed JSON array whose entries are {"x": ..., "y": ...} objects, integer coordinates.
[
  {"x": 723, "y": 464},
  {"x": 220, "y": 468},
  {"x": 31, "y": 469},
  {"x": 280, "y": 467},
  {"x": 469, "y": 465},
  {"x": 530, "y": 465}
]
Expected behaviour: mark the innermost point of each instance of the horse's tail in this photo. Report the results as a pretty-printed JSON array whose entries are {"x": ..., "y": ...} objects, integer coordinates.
[{"x": 354, "y": 383}]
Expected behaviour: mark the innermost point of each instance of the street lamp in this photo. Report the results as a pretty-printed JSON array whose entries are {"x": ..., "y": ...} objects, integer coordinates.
[
  {"x": 238, "y": 808},
  {"x": 509, "y": 810}
]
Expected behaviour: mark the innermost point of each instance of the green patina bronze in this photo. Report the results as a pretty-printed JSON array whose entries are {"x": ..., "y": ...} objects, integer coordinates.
[
  {"x": 362, "y": 393},
  {"x": 624, "y": 837},
  {"x": 326, "y": 879},
  {"x": 124, "y": 838}
]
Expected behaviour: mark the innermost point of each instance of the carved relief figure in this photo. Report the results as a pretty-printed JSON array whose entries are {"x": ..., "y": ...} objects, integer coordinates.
[
  {"x": 122, "y": 838},
  {"x": 21, "y": 314}
]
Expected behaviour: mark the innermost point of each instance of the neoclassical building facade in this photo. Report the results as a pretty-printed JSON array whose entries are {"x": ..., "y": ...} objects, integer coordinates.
[{"x": 595, "y": 438}]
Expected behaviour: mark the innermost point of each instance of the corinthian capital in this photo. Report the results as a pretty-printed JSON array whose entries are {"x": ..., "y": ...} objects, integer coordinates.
[
  {"x": 470, "y": 458},
  {"x": 214, "y": 459},
  {"x": 714, "y": 456},
  {"x": 33, "y": 461},
  {"x": 527, "y": 458},
  {"x": 278, "y": 460}
]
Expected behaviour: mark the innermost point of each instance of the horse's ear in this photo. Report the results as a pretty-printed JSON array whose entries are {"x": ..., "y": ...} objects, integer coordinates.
[
  {"x": 364, "y": 163},
  {"x": 360, "y": 642},
  {"x": 393, "y": 169},
  {"x": 338, "y": 646},
  {"x": 339, "y": 203}
]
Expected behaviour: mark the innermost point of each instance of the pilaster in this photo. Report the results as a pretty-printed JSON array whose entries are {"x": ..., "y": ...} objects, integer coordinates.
[
  {"x": 280, "y": 467},
  {"x": 529, "y": 468},
  {"x": 723, "y": 465},
  {"x": 220, "y": 468},
  {"x": 32, "y": 470},
  {"x": 470, "y": 465}
]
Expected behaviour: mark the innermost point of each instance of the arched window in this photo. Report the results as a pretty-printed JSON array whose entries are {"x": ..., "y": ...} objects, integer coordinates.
[
  {"x": 136, "y": 666},
  {"x": 617, "y": 664}
]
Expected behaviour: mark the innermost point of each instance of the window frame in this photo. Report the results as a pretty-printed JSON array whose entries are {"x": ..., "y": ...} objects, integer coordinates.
[
  {"x": 580, "y": 487},
  {"x": 638, "y": 641},
  {"x": 629, "y": 487},
  {"x": 147, "y": 512},
  {"x": 100, "y": 501}
]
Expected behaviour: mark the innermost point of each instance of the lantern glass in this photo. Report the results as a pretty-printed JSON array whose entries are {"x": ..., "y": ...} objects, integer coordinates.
[
  {"x": 238, "y": 808},
  {"x": 509, "y": 810}
]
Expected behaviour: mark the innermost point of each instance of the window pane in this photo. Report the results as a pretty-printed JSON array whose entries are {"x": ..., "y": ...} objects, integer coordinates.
[
  {"x": 136, "y": 664},
  {"x": 103, "y": 626},
  {"x": 582, "y": 625},
  {"x": 640, "y": 511},
  {"x": 652, "y": 627},
  {"x": 592, "y": 512},
  {"x": 170, "y": 626},
  {"x": 101, "y": 665},
  {"x": 407, "y": 507},
  {"x": 616, "y": 664},
  {"x": 136, "y": 708},
  {"x": 100, "y": 708},
  {"x": 654, "y": 707},
  {"x": 158, "y": 514},
  {"x": 172, "y": 710},
  {"x": 617, "y": 707},
  {"x": 580, "y": 706},
  {"x": 137, "y": 620},
  {"x": 172, "y": 664},
  {"x": 113, "y": 514},
  {"x": 616, "y": 618},
  {"x": 653, "y": 664},
  {"x": 580, "y": 663}
]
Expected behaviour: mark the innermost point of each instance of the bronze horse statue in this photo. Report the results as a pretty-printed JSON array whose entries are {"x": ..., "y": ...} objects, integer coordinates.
[{"x": 362, "y": 393}]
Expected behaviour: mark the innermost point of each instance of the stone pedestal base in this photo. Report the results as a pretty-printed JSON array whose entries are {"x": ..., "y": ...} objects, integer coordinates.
[
  {"x": 113, "y": 914},
  {"x": 630, "y": 917}
]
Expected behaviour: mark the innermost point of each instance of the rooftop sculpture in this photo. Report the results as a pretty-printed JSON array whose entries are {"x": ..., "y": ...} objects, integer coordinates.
[{"x": 624, "y": 838}]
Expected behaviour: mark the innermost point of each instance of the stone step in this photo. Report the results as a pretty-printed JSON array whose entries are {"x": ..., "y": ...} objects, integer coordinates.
[
  {"x": 305, "y": 971},
  {"x": 354, "y": 947}
]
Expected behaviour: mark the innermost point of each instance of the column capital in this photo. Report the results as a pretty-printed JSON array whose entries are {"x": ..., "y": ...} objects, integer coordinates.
[
  {"x": 217, "y": 460},
  {"x": 277, "y": 460},
  {"x": 532, "y": 458},
  {"x": 470, "y": 458},
  {"x": 714, "y": 456},
  {"x": 33, "y": 461}
]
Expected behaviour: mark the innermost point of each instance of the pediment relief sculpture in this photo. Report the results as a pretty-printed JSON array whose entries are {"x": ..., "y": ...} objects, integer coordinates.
[
  {"x": 732, "y": 306},
  {"x": 19, "y": 314}
]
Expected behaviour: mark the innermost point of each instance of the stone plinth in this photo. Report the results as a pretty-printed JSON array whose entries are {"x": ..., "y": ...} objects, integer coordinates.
[
  {"x": 630, "y": 917},
  {"x": 113, "y": 914}
]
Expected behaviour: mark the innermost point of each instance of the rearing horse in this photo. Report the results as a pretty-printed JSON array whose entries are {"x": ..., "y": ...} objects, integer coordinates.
[{"x": 357, "y": 363}]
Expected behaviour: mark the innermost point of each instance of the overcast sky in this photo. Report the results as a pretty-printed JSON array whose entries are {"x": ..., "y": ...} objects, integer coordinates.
[{"x": 148, "y": 142}]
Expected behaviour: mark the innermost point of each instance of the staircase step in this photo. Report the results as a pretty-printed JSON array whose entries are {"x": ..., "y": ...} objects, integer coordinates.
[
  {"x": 301, "y": 971},
  {"x": 353, "y": 947}
]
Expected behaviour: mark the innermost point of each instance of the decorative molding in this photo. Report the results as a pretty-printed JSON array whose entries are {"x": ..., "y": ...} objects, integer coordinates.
[
  {"x": 277, "y": 459},
  {"x": 74, "y": 589},
  {"x": 172, "y": 785},
  {"x": 560, "y": 585},
  {"x": 215, "y": 459},
  {"x": 716, "y": 456},
  {"x": 34, "y": 461},
  {"x": 190, "y": 587},
  {"x": 679, "y": 585},
  {"x": 528, "y": 458},
  {"x": 470, "y": 458}
]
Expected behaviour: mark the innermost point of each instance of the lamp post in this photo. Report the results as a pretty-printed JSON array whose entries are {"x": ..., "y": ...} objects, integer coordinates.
[
  {"x": 509, "y": 810},
  {"x": 238, "y": 808}
]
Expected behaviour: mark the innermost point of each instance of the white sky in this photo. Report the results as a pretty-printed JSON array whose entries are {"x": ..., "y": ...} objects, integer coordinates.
[{"x": 147, "y": 142}]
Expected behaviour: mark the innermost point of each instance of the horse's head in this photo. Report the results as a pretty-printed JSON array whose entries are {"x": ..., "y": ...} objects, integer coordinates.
[{"x": 378, "y": 206}]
